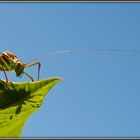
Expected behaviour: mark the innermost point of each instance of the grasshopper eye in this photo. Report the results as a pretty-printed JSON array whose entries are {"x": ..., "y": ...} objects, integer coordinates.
[{"x": 19, "y": 69}]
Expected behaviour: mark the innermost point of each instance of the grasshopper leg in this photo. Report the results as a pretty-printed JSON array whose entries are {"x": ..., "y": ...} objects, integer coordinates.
[
  {"x": 35, "y": 63},
  {"x": 28, "y": 76},
  {"x": 5, "y": 74}
]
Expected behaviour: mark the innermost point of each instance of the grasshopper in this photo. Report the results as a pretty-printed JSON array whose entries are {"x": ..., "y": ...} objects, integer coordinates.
[{"x": 10, "y": 62}]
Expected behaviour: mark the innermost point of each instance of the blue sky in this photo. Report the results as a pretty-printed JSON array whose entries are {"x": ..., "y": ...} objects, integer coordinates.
[{"x": 100, "y": 94}]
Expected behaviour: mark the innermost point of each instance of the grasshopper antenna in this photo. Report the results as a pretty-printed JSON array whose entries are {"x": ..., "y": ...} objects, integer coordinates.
[
  {"x": 106, "y": 50},
  {"x": 49, "y": 54}
]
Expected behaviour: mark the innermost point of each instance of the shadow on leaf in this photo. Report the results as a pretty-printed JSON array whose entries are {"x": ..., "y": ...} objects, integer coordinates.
[{"x": 18, "y": 101}]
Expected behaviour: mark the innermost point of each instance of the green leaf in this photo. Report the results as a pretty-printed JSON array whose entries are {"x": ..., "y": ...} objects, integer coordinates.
[{"x": 18, "y": 101}]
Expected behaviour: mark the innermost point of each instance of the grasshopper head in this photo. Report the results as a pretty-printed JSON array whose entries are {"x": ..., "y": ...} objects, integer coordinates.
[{"x": 19, "y": 69}]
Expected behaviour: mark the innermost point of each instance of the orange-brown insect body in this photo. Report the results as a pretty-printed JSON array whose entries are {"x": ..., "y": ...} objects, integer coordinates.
[
  {"x": 12, "y": 63},
  {"x": 9, "y": 62}
]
